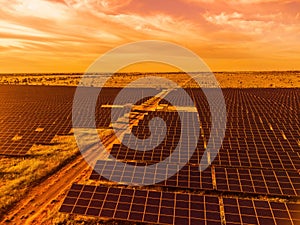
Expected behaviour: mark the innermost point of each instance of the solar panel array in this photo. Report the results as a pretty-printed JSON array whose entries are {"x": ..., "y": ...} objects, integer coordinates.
[
  {"x": 30, "y": 115},
  {"x": 35, "y": 114},
  {"x": 259, "y": 157},
  {"x": 166, "y": 147}
]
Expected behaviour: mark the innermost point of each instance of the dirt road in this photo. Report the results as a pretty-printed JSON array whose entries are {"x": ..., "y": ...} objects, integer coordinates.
[{"x": 50, "y": 191}]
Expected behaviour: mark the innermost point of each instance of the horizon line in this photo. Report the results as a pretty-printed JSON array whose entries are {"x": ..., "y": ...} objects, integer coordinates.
[{"x": 158, "y": 72}]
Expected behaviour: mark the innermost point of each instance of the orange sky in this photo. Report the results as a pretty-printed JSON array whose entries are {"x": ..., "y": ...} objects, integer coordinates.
[{"x": 68, "y": 35}]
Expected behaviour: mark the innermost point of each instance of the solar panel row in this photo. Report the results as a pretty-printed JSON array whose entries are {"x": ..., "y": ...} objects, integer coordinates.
[
  {"x": 259, "y": 181},
  {"x": 142, "y": 205},
  {"x": 241, "y": 211},
  {"x": 175, "y": 208},
  {"x": 256, "y": 181},
  {"x": 188, "y": 177}
]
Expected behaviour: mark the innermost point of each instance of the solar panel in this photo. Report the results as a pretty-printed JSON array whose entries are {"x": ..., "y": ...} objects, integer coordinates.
[
  {"x": 259, "y": 181},
  {"x": 142, "y": 205},
  {"x": 158, "y": 154},
  {"x": 188, "y": 177},
  {"x": 252, "y": 211}
]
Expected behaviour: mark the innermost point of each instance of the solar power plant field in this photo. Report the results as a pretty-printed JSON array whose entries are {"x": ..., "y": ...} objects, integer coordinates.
[{"x": 253, "y": 180}]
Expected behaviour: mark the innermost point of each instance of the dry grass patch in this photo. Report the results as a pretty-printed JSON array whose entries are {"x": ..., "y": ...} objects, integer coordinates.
[
  {"x": 19, "y": 174},
  {"x": 262, "y": 79}
]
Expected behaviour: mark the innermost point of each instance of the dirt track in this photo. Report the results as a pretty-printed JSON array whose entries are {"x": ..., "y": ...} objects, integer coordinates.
[{"x": 52, "y": 190}]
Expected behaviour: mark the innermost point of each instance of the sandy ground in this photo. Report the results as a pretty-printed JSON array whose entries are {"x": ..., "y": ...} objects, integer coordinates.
[{"x": 286, "y": 79}]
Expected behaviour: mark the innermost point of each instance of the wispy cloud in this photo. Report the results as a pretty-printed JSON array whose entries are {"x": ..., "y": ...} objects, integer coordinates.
[
  {"x": 101, "y": 5},
  {"x": 237, "y": 21}
]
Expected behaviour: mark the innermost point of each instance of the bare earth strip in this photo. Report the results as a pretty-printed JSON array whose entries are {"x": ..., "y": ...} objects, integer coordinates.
[{"x": 35, "y": 205}]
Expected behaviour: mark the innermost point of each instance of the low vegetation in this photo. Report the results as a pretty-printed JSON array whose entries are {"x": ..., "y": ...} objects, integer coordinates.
[
  {"x": 19, "y": 174},
  {"x": 262, "y": 79},
  {"x": 67, "y": 219}
]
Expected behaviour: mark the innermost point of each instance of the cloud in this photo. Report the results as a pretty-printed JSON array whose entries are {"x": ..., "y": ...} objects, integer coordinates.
[
  {"x": 79, "y": 28},
  {"x": 51, "y": 32},
  {"x": 223, "y": 18},
  {"x": 236, "y": 1},
  {"x": 259, "y": 1},
  {"x": 159, "y": 25},
  {"x": 35, "y": 8},
  {"x": 100, "y": 5},
  {"x": 250, "y": 1},
  {"x": 237, "y": 21},
  {"x": 15, "y": 29},
  {"x": 199, "y": 1}
]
